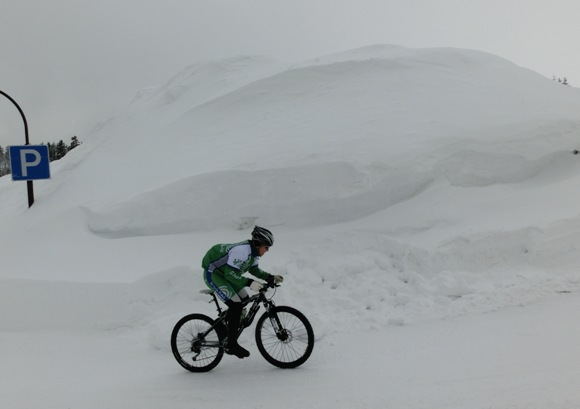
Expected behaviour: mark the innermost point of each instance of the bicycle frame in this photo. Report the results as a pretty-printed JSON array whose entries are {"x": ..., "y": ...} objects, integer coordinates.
[{"x": 255, "y": 300}]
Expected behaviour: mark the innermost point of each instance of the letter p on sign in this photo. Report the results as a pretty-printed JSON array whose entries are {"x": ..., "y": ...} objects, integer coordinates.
[{"x": 30, "y": 162}]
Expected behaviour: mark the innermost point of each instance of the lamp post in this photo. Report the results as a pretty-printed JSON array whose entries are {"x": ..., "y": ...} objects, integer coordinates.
[{"x": 28, "y": 182}]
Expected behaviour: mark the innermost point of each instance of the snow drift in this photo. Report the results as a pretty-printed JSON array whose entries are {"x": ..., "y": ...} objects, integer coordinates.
[
  {"x": 424, "y": 162},
  {"x": 403, "y": 185}
]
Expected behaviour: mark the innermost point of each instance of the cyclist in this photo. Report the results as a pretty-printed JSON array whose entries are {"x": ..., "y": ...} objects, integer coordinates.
[{"x": 223, "y": 266}]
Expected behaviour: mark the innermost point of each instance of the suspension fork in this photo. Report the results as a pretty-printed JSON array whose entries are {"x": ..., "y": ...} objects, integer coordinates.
[{"x": 273, "y": 317}]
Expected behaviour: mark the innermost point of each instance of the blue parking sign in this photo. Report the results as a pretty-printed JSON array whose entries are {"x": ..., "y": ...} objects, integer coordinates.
[{"x": 29, "y": 162}]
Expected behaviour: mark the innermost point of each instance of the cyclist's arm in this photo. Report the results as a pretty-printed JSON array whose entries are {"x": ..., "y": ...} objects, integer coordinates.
[
  {"x": 258, "y": 272},
  {"x": 234, "y": 275}
]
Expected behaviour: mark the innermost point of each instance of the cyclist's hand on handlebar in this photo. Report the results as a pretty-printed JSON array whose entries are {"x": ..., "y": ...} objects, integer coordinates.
[
  {"x": 278, "y": 279},
  {"x": 256, "y": 286},
  {"x": 274, "y": 280}
]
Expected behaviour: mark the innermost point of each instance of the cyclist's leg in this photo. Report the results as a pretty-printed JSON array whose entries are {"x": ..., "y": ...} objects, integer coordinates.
[
  {"x": 223, "y": 289},
  {"x": 233, "y": 300},
  {"x": 233, "y": 317}
]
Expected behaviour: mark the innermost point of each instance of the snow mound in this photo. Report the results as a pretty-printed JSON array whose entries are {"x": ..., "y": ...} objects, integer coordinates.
[
  {"x": 301, "y": 196},
  {"x": 440, "y": 179},
  {"x": 402, "y": 185}
]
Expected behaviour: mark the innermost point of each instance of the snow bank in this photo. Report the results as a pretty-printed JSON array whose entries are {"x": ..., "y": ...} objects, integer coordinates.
[
  {"x": 401, "y": 184},
  {"x": 404, "y": 187}
]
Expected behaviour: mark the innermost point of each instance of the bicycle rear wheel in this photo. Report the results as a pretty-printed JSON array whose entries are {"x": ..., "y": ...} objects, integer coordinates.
[
  {"x": 284, "y": 337},
  {"x": 195, "y": 344}
]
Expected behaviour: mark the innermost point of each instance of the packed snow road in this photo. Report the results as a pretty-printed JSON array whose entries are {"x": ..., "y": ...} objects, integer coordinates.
[{"x": 517, "y": 358}]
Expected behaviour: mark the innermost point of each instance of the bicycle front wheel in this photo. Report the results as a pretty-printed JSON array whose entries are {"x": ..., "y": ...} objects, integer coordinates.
[
  {"x": 284, "y": 337},
  {"x": 195, "y": 344}
]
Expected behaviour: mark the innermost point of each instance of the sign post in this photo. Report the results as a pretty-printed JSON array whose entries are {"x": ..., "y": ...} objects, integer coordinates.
[{"x": 29, "y": 182}]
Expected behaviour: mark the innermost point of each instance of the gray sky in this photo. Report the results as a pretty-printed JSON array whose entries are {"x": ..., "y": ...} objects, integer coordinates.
[{"x": 72, "y": 63}]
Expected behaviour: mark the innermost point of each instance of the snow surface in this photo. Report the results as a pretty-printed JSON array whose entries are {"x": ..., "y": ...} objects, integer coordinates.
[{"x": 425, "y": 206}]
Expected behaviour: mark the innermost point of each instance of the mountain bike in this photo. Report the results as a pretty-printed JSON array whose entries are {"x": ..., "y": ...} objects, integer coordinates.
[{"x": 284, "y": 335}]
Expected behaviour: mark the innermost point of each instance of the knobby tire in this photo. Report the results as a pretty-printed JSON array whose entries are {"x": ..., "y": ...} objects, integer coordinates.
[
  {"x": 292, "y": 345},
  {"x": 193, "y": 352}
]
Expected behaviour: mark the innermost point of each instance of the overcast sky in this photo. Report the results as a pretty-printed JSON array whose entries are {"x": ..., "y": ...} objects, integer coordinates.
[{"x": 72, "y": 63}]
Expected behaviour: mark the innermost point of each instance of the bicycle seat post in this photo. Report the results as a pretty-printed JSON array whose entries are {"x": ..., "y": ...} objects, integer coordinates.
[{"x": 215, "y": 300}]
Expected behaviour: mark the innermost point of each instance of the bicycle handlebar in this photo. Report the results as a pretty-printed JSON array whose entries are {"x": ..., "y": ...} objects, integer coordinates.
[{"x": 268, "y": 285}]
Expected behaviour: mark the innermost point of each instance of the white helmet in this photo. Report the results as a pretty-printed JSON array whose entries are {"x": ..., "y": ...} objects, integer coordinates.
[{"x": 262, "y": 237}]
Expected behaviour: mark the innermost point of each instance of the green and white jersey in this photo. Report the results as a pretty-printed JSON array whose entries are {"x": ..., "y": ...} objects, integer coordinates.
[{"x": 230, "y": 261}]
